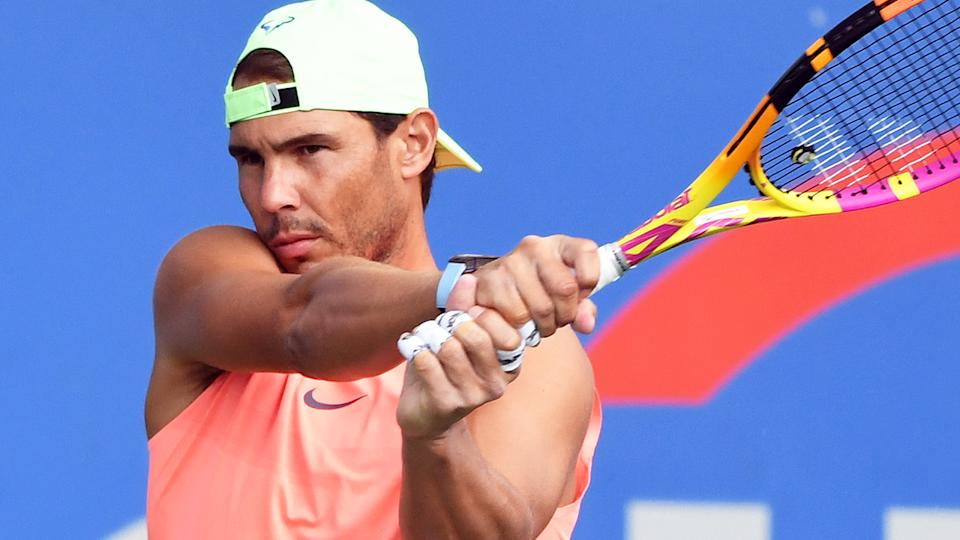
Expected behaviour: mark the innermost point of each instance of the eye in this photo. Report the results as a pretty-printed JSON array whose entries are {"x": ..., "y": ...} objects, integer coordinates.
[
  {"x": 311, "y": 149},
  {"x": 249, "y": 159}
]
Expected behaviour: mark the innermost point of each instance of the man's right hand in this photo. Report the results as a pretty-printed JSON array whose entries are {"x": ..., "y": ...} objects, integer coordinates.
[{"x": 545, "y": 279}]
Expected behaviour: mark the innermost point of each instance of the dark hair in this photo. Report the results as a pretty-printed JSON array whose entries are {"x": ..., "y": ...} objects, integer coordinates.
[{"x": 269, "y": 65}]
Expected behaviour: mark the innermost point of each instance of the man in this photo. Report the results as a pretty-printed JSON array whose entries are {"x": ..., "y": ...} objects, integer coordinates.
[{"x": 278, "y": 405}]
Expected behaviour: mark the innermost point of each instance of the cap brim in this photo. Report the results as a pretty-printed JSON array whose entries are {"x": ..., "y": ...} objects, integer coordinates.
[{"x": 450, "y": 155}]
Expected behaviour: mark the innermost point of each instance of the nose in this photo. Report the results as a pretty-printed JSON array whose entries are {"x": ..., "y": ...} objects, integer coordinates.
[{"x": 279, "y": 189}]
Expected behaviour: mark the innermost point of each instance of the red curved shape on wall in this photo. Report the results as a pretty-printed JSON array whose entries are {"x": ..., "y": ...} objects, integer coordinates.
[{"x": 710, "y": 314}]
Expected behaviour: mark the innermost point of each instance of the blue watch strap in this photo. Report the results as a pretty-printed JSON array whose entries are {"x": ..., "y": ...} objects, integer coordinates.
[{"x": 451, "y": 274}]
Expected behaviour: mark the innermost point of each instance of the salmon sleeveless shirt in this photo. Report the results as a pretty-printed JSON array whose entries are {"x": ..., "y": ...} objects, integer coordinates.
[{"x": 278, "y": 456}]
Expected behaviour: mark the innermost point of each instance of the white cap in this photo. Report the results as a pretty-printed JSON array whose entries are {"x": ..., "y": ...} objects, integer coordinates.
[{"x": 346, "y": 55}]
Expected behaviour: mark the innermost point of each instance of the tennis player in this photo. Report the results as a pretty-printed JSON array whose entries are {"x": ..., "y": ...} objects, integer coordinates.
[{"x": 279, "y": 406}]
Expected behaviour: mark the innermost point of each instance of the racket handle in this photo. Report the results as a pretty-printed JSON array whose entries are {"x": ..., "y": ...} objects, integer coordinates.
[{"x": 612, "y": 265}]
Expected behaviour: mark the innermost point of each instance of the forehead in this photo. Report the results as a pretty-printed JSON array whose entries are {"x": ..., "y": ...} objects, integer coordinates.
[{"x": 273, "y": 130}]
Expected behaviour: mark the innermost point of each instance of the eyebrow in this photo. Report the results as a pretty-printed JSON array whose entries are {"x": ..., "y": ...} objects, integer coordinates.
[{"x": 325, "y": 139}]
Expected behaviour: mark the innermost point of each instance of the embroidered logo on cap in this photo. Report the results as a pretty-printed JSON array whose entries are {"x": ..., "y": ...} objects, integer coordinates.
[{"x": 272, "y": 25}]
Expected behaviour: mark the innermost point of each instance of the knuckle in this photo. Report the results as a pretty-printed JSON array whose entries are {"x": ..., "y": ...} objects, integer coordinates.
[
  {"x": 472, "y": 337},
  {"x": 511, "y": 341},
  {"x": 450, "y": 403},
  {"x": 517, "y": 315},
  {"x": 464, "y": 407},
  {"x": 496, "y": 388},
  {"x": 450, "y": 350},
  {"x": 588, "y": 245},
  {"x": 477, "y": 397},
  {"x": 530, "y": 241},
  {"x": 542, "y": 310},
  {"x": 566, "y": 287}
]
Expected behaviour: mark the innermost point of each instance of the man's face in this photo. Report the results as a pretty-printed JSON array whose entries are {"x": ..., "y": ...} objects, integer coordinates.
[{"x": 319, "y": 183}]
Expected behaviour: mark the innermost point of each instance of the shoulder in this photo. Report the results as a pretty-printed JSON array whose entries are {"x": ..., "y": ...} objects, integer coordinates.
[
  {"x": 210, "y": 243},
  {"x": 195, "y": 267},
  {"x": 207, "y": 251}
]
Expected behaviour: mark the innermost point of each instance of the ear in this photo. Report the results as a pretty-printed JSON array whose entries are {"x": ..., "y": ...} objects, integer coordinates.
[{"x": 420, "y": 140}]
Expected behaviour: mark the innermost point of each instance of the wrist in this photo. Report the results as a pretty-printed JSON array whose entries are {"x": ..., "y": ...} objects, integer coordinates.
[
  {"x": 456, "y": 267},
  {"x": 436, "y": 443},
  {"x": 448, "y": 280}
]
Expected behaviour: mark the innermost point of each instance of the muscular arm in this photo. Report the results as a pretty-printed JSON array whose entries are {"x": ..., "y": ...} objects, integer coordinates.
[
  {"x": 503, "y": 470},
  {"x": 221, "y": 303},
  {"x": 221, "y": 300}
]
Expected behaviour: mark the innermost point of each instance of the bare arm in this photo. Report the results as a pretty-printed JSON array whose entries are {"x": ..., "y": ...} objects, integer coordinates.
[
  {"x": 503, "y": 470},
  {"x": 221, "y": 300},
  {"x": 482, "y": 460},
  {"x": 221, "y": 303}
]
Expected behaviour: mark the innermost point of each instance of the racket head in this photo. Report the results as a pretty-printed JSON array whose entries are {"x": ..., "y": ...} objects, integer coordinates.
[
  {"x": 870, "y": 114},
  {"x": 873, "y": 47}
]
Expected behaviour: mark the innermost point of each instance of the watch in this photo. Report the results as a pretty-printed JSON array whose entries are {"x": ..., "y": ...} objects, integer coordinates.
[{"x": 456, "y": 267}]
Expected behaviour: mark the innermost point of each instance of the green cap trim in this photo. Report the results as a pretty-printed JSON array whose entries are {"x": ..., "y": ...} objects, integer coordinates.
[{"x": 253, "y": 101}]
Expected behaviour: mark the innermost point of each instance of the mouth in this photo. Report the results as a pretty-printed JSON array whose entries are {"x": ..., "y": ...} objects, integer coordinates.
[{"x": 292, "y": 246}]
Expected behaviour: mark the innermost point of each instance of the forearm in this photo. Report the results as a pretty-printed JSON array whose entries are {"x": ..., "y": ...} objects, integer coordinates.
[
  {"x": 450, "y": 491},
  {"x": 349, "y": 314}
]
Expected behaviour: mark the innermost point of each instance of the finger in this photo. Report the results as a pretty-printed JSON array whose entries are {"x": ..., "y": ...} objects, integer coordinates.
[
  {"x": 464, "y": 294},
  {"x": 410, "y": 345},
  {"x": 459, "y": 367},
  {"x": 471, "y": 362},
  {"x": 451, "y": 320},
  {"x": 502, "y": 334},
  {"x": 497, "y": 289},
  {"x": 537, "y": 299},
  {"x": 451, "y": 355},
  {"x": 581, "y": 255},
  {"x": 510, "y": 361},
  {"x": 586, "y": 319},
  {"x": 479, "y": 346},
  {"x": 423, "y": 363},
  {"x": 561, "y": 285},
  {"x": 432, "y": 334},
  {"x": 530, "y": 334}
]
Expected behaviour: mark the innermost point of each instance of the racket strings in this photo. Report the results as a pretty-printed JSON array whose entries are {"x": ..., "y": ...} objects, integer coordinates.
[
  {"x": 856, "y": 170},
  {"x": 887, "y": 105}
]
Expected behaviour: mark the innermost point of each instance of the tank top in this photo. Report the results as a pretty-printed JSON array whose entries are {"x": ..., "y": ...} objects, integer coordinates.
[{"x": 284, "y": 456}]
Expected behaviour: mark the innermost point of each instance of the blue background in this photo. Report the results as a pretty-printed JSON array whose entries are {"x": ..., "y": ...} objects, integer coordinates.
[{"x": 588, "y": 117}]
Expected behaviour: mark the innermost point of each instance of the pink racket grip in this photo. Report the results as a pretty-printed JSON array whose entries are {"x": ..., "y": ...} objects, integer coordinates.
[{"x": 612, "y": 265}]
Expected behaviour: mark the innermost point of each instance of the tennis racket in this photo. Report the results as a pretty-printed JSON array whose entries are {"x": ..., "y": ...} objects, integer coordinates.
[{"x": 869, "y": 115}]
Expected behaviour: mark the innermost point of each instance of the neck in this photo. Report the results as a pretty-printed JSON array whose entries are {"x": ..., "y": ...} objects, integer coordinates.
[{"x": 413, "y": 251}]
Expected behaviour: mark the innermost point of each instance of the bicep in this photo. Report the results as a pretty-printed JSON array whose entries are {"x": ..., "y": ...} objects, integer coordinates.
[
  {"x": 220, "y": 300},
  {"x": 534, "y": 433}
]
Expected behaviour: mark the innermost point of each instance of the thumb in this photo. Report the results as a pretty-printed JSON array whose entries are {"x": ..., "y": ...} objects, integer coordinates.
[
  {"x": 586, "y": 318},
  {"x": 464, "y": 294}
]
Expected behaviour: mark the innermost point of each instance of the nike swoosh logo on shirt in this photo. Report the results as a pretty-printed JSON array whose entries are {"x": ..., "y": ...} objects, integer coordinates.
[{"x": 314, "y": 404}]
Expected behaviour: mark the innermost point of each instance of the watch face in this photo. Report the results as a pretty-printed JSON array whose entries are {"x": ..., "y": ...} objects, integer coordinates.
[{"x": 472, "y": 261}]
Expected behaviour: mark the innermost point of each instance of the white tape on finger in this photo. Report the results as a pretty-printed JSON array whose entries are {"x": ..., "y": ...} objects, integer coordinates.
[
  {"x": 432, "y": 334},
  {"x": 511, "y": 360},
  {"x": 410, "y": 345},
  {"x": 530, "y": 334},
  {"x": 451, "y": 320}
]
